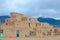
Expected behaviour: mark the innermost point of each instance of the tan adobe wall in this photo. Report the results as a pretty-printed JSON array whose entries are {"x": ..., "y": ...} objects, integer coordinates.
[{"x": 24, "y": 23}]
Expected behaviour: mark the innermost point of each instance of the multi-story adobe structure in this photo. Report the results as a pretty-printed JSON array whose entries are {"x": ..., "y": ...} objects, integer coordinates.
[{"x": 19, "y": 25}]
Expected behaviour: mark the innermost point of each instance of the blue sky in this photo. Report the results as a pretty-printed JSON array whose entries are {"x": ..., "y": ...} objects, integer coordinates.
[{"x": 31, "y": 8}]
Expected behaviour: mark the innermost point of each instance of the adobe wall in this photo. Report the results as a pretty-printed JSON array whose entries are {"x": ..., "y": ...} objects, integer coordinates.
[{"x": 26, "y": 24}]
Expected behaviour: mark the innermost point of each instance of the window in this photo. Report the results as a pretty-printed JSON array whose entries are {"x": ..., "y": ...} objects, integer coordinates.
[
  {"x": 44, "y": 33},
  {"x": 38, "y": 24},
  {"x": 7, "y": 20},
  {"x": 6, "y": 24},
  {"x": 29, "y": 24},
  {"x": 24, "y": 19},
  {"x": 48, "y": 33},
  {"x": 12, "y": 30},
  {"x": 29, "y": 19},
  {"x": 1, "y": 31},
  {"x": 42, "y": 24},
  {"x": 32, "y": 33},
  {"x": 51, "y": 30},
  {"x": 40, "y": 31},
  {"x": 17, "y": 24}
]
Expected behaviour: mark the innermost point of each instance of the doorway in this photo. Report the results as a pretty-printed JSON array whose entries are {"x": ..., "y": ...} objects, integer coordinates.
[{"x": 17, "y": 33}]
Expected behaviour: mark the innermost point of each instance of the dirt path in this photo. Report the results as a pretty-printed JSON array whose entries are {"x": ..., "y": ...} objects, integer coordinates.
[{"x": 45, "y": 38}]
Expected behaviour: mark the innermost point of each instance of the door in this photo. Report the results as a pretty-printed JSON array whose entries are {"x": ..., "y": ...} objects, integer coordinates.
[
  {"x": 1, "y": 33},
  {"x": 17, "y": 33}
]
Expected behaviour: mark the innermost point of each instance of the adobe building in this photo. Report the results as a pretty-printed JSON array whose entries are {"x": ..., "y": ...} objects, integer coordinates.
[{"x": 19, "y": 25}]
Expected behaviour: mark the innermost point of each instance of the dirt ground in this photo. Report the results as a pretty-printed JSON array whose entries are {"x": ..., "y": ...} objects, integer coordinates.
[{"x": 31, "y": 38}]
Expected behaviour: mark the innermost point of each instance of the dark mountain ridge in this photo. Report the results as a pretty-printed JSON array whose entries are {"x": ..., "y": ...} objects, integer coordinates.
[
  {"x": 50, "y": 21},
  {"x": 2, "y": 18}
]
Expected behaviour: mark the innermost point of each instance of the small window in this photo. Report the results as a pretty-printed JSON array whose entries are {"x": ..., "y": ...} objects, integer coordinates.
[
  {"x": 6, "y": 24},
  {"x": 42, "y": 24},
  {"x": 32, "y": 33},
  {"x": 17, "y": 24},
  {"x": 40, "y": 31},
  {"x": 7, "y": 20},
  {"x": 24, "y": 19},
  {"x": 29, "y": 24},
  {"x": 50, "y": 30},
  {"x": 36, "y": 24},
  {"x": 1, "y": 31},
  {"x": 29, "y": 19},
  {"x": 12, "y": 30}
]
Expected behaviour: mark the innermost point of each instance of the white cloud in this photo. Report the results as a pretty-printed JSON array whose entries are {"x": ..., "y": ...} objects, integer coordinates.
[{"x": 31, "y": 8}]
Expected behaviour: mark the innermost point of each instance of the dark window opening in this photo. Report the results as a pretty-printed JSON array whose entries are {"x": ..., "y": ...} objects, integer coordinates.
[
  {"x": 1, "y": 31},
  {"x": 29, "y": 24},
  {"x": 24, "y": 19},
  {"x": 36, "y": 24},
  {"x": 17, "y": 35},
  {"x": 7, "y": 20},
  {"x": 12, "y": 30},
  {"x": 32, "y": 33},
  {"x": 6, "y": 24},
  {"x": 29, "y": 19}
]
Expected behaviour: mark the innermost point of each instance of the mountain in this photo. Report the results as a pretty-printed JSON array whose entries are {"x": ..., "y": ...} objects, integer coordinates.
[
  {"x": 2, "y": 18},
  {"x": 50, "y": 21}
]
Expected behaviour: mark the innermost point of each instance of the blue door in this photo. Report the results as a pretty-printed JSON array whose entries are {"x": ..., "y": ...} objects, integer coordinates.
[{"x": 1, "y": 33}]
